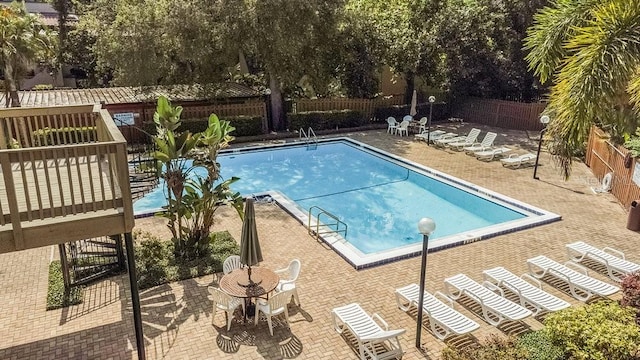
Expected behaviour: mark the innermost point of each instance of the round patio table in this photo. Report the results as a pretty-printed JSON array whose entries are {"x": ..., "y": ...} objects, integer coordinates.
[{"x": 236, "y": 283}]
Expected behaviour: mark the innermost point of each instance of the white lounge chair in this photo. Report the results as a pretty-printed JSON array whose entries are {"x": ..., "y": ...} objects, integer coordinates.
[
  {"x": 485, "y": 144},
  {"x": 443, "y": 319},
  {"x": 288, "y": 277},
  {"x": 392, "y": 125},
  {"x": 515, "y": 160},
  {"x": 582, "y": 286},
  {"x": 470, "y": 138},
  {"x": 368, "y": 332},
  {"x": 403, "y": 127},
  {"x": 490, "y": 154},
  {"x": 495, "y": 308},
  {"x": 434, "y": 135},
  {"x": 468, "y": 141},
  {"x": 530, "y": 296},
  {"x": 614, "y": 260}
]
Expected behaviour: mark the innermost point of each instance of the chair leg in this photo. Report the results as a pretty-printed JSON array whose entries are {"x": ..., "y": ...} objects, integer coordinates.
[
  {"x": 256, "y": 315},
  {"x": 228, "y": 317},
  {"x": 270, "y": 324},
  {"x": 295, "y": 296},
  {"x": 213, "y": 314}
]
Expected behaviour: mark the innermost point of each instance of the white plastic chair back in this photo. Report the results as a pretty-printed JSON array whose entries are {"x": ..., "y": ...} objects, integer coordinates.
[
  {"x": 423, "y": 121},
  {"x": 294, "y": 269},
  {"x": 407, "y": 118},
  {"x": 231, "y": 263},
  {"x": 391, "y": 121},
  {"x": 219, "y": 297},
  {"x": 278, "y": 302}
]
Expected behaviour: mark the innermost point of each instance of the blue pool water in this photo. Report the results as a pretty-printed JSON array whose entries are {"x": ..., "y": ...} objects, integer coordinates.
[{"x": 379, "y": 198}]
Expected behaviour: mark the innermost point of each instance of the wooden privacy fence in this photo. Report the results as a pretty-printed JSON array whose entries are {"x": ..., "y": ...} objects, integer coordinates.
[
  {"x": 366, "y": 106},
  {"x": 604, "y": 157},
  {"x": 501, "y": 113}
]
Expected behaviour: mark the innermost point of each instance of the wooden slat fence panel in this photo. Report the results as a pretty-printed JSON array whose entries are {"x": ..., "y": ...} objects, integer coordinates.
[
  {"x": 501, "y": 113},
  {"x": 366, "y": 106},
  {"x": 604, "y": 157}
]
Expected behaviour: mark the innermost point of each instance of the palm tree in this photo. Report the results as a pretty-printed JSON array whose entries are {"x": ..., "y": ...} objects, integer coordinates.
[
  {"x": 590, "y": 50},
  {"x": 23, "y": 40}
]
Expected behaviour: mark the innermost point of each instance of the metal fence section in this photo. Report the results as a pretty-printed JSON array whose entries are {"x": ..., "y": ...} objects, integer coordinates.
[
  {"x": 501, "y": 113},
  {"x": 604, "y": 157}
]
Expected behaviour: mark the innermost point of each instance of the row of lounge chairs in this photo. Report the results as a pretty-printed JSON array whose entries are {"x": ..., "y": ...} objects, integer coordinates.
[
  {"x": 484, "y": 150},
  {"x": 376, "y": 341}
]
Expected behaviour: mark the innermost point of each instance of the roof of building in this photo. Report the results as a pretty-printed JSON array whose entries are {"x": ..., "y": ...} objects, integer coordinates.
[
  {"x": 47, "y": 13},
  {"x": 128, "y": 95}
]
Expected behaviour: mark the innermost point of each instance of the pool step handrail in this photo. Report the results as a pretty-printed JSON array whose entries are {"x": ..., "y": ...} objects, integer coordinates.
[
  {"x": 319, "y": 228},
  {"x": 309, "y": 136}
]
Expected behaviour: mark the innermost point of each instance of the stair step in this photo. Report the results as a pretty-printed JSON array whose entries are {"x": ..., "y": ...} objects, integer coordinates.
[
  {"x": 86, "y": 254},
  {"x": 107, "y": 244}
]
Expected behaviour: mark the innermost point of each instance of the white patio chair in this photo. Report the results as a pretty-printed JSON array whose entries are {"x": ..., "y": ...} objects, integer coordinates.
[
  {"x": 471, "y": 137},
  {"x": 288, "y": 277},
  {"x": 225, "y": 302},
  {"x": 368, "y": 332},
  {"x": 403, "y": 128},
  {"x": 488, "y": 155},
  {"x": 582, "y": 286},
  {"x": 422, "y": 124},
  {"x": 530, "y": 296},
  {"x": 485, "y": 144},
  {"x": 276, "y": 305},
  {"x": 495, "y": 308},
  {"x": 392, "y": 125},
  {"x": 231, "y": 263},
  {"x": 443, "y": 318},
  {"x": 515, "y": 160},
  {"x": 468, "y": 141},
  {"x": 614, "y": 260}
]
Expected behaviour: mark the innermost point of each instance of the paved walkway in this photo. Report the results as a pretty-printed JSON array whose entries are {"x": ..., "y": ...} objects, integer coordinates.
[{"x": 178, "y": 317}]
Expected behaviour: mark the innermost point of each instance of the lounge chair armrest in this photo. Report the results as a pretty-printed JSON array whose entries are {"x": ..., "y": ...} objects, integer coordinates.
[
  {"x": 444, "y": 297},
  {"x": 603, "y": 260},
  {"x": 383, "y": 335},
  {"x": 530, "y": 278},
  {"x": 492, "y": 287},
  {"x": 381, "y": 320},
  {"x": 473, "y": 296},
  {"x": 614, "y": 251},
  {"x": 577, "y": 267}
]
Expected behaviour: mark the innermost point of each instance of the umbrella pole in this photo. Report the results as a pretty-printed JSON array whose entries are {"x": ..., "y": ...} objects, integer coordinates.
[{"x": 249, "y": 273}]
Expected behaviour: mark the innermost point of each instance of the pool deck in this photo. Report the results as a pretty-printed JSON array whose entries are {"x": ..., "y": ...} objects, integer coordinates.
[{"x": 177, "y": 317}]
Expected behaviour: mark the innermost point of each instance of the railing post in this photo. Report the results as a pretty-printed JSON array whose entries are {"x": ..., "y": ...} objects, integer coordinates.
[
  {"x": 14, "y": 211},
  {"x": 65, "y": 268}
]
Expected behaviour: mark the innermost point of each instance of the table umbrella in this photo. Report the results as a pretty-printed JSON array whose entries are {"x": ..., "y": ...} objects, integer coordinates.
[
  {"x": 250, "y": 253},
  {"x": 414, "y": 103}
]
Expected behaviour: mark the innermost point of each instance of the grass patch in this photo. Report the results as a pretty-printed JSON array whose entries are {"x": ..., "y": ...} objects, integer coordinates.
[
  {"x": 157, "y": 265},
  {"x": 56, "y": 297}
]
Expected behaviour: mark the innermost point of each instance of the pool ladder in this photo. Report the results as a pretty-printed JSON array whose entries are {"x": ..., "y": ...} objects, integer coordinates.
[
  {"x": 309, "y": 136},
  {"x": 331, "y": 224}
]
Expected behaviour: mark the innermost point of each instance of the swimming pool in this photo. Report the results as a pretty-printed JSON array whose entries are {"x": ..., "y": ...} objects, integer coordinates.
[{"x": 380, "y": 198}]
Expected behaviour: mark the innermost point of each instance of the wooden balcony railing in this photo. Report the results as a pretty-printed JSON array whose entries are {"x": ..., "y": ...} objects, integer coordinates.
[{"x": 64, "y": 176}]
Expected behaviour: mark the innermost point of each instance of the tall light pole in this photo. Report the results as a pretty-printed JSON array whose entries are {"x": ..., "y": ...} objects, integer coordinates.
[
  {"x": 426, "y": 227},
  {"x": 432, "y": 99},
  {"x": 544, "y": 120}
]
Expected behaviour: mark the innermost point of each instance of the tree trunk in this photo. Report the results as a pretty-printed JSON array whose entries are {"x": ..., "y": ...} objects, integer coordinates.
[
  {"x": 411, "y": 84},
  {"x": 13, "y": 100},
  {"x": 277, "y": 108}
]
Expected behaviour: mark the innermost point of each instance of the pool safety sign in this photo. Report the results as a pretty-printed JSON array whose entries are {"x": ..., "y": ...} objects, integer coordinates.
[{"x": 124, "y": 119}]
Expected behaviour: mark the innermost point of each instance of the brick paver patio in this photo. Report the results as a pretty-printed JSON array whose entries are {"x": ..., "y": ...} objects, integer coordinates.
[{"x": 178, "y": 317}]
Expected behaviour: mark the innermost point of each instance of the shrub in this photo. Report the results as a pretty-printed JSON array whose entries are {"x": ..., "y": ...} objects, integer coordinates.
[
  {"x": 66, "y": 135},
  {"x": 599, "y": 331},
  {"x": 56, "y": 296},
  {"x": 325, "y": 120},
  {"x": 493, "y": 348},
  {"x": 631, "y": 293},
  {"x": 156, "y": 263},
  {"x": 245, "y": 125},
  {"x": 540, "y": 347}
]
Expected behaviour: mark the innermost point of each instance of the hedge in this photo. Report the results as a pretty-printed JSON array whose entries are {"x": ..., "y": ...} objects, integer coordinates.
[
  {"x": 56, "y": 296},
  {"x": 245, "y": 125},
  {"x": 62, "y": 136},
  {"x": 325, "y": 120},
  {"x": 440, "y": 112}
]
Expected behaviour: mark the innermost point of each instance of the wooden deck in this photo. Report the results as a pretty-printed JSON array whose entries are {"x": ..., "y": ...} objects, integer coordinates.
[{"x": 58, "y": 193}]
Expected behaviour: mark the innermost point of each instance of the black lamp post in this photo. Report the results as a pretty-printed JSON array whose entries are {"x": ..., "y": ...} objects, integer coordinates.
[
  {"x": 544, "y": 120},
  {"x": 432, "y": 99},
  {"x": 426, "y": 227}
]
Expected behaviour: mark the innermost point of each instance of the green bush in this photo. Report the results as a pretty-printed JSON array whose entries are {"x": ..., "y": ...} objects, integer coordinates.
[
  {"x": 540, "y": 347},
  {"x": 245, "y": 125},
  {"x": 325, "y": 120},
  {"x": 66, "y": 135},
  {"x": 493, "y": 348},
  {"x": 156, "y": 263},
  {"x": 599, "y": 331},
  {"x": 56, "y": 297}
]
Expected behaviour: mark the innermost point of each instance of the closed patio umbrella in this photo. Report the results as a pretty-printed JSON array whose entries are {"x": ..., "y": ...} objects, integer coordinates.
[
  {"x": 250, "y": 253},
  {"x": 414, "y": 103}
]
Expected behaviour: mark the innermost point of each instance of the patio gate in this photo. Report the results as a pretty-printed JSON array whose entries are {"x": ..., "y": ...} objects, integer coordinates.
[{"x": 88, "y": 260}]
